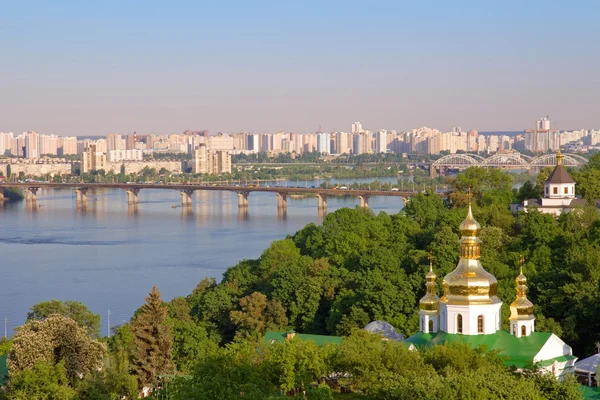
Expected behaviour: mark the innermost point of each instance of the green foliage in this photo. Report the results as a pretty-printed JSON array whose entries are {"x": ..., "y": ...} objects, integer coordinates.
[
  {"x": 75, "y": 310},
  {"x": 152, "y": 341},
  {"x": 53, "y": 340},
  {"x": 109, "y": 383},
  {"x": 13, "y": 194},
  {"x": 43, "y": 381}
]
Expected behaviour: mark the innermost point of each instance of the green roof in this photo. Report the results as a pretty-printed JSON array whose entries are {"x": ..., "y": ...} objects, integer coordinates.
[
  {"x": 519, "y": 351},
  {"x": 545, "y": 363},
  {"x": 321, "y": 340},
  {"x": 590, "y": 393},
  {"x": 3, "y": 370}
]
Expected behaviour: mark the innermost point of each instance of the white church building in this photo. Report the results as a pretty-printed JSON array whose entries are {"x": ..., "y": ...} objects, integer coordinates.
[
  {"x": 559, "y": 193},
  {"x": 469, "y": 311}
]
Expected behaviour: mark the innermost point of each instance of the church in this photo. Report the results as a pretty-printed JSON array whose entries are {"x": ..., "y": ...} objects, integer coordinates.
[
  {"x": 469, "y": 312},
  {"x": 559, "y": 193}
]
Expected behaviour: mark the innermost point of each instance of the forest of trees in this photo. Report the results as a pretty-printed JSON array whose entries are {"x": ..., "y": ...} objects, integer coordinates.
[{"x": 333, "y": 279}]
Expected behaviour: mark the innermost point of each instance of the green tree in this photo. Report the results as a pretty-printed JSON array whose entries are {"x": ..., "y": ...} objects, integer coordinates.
[
  {"x": 43, "y": 381},
  {"x": 53, "y": 340},
  {"x": 152, "y": 341},
  {"x": 75, "y": 310},
  {"x": 257, "y": 315}
]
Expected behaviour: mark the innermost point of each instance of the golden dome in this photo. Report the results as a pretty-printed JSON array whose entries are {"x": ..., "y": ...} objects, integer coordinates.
[
  {"x": 469, "y": 283},
  {"x": 430, "y": 302},
  {"x": 521, "y": 307},
  {"x": 559, "y": 158},
  {"x": 470, "y": 227}
]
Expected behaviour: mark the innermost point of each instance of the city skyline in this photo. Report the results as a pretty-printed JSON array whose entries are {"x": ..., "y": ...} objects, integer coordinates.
[{"x": 79, "y": 69}]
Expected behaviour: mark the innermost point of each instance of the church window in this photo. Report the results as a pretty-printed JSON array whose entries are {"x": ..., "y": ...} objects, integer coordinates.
[
  {"x": 430, "y": 326},
  {"x": 523, "y": 331},
  {"x": 480, "y": 324},
  {"x": 422, "y": 325},
  {"x": 555, "y": 191},
  {"x": 459, "y": 327},
  {"x": 566, "y": 190},
  {"x": 514, "y": 330},
  {"x": 546, "y": 189}
]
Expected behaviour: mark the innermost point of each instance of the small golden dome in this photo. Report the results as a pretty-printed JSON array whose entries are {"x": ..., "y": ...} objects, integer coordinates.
[
  {"x": 521, "y": 308},
  {"x": 430, "y": 302},
  {"x": 559, "y": 158},
  {"x": 521, "y": 280},
  {"x": 470, "y": 227}
]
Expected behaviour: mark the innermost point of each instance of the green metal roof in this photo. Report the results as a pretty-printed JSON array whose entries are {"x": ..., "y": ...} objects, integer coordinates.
[
  {"x": 590, "y": 393},
  {"x": 321, "y": 340},
  {"x": 545, "y": 363},
  {"x": 3, "y": 370},
  {"x": 519, "y": 351}
]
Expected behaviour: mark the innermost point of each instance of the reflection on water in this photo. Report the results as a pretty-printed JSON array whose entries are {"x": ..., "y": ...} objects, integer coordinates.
[{"x": 108, "y": 254}]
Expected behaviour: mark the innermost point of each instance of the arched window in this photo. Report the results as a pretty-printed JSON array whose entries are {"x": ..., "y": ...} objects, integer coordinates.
[
  {"x": 480, "y": 324},
  {"x": 459, "y": 323},
  {"x": 430, "y": 326},
  {"x": 422, "y": 325},
  {"x": 523, "y": 330},
  {"x": 514, "y": 330}
]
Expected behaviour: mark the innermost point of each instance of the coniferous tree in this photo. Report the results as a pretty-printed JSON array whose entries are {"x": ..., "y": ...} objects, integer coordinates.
[{"x": 152, "y": 341}]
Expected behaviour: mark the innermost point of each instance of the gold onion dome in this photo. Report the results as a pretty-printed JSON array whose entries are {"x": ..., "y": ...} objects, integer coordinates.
[
  {"x": 521, "y": 306},
  {"x": 469, "y": 283},
  {"x": 430, "y": 302}
]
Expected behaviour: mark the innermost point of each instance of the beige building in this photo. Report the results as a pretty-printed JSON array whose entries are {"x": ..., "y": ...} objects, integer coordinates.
[
  {"x": 67, "y": 145},
  {"x": 92, "y": 159},
  {"x": 134, "y": 167},
  {"x": 211, "y": 162},
  {"x": 37, "y": 167}
]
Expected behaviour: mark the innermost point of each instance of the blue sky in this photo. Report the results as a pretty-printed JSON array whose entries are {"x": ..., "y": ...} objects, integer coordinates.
[{"x": 92, "y": 68}]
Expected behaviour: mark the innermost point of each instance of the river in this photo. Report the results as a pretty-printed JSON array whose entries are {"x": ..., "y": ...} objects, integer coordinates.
[{"x": 109, "y": 256}]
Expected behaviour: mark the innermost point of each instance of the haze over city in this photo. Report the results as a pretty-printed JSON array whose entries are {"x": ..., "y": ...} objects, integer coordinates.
[{"x": 83, "y": 68}]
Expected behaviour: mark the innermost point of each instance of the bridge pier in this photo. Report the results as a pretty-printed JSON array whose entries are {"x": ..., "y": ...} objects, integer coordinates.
[
  {"x": 81, "y": 195},
  {"x": 31, "y": 194},
  {"x": 281, "y": 201},
  {"x": 432, "y": 171},
  {"x": 243, "y": 200},
  {"x": 186, "y": 197},
  {"x": 364, "y": 201},
  {"x": 132, "y": 196},
  {"x": 322, "y": 205}
]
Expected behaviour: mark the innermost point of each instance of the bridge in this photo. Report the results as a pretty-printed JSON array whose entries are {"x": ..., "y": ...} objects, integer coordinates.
[
  {"x": 187, "y": 190},
  {"x": 513, "y": 160}
]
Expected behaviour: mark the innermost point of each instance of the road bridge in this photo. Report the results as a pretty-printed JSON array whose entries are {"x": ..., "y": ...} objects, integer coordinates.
[{"x": 187, "y": 190}]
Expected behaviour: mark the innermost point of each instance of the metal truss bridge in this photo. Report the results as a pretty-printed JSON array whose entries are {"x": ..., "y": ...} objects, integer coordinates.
[{"x": 505, "y": 161}]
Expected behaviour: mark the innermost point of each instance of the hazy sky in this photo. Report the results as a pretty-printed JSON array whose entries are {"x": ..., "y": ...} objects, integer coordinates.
[{"x": 96, "y": 67}]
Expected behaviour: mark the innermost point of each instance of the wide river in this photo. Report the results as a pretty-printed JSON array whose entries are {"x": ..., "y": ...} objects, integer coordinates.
[{"x": 109, "y": 256}]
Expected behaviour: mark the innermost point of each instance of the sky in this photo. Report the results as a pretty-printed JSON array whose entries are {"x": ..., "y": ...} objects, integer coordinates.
[{"x": 99, "y": 67}]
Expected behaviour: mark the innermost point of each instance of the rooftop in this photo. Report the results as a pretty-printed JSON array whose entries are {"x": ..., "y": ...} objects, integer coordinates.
[
  {"x": 559, "y": 175},
  {"x": 519, "y": 351}
]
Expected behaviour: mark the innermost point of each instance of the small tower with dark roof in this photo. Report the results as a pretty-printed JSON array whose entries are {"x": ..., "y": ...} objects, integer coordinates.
[{"x": 559, "y": 184}]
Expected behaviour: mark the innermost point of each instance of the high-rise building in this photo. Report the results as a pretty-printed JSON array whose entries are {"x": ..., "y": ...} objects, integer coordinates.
[
  {"x": 323, "y": 143},
  {"x": 67, "y": 146},
  {"x": 206, "y": 161},
  {"x": 32, "y": 145},
  {"x": 381, "y": 142},
  {"x": 357, "y": 127},
  {"x": 92, "y": 159},
  {"x": 114, "y": 142}
]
